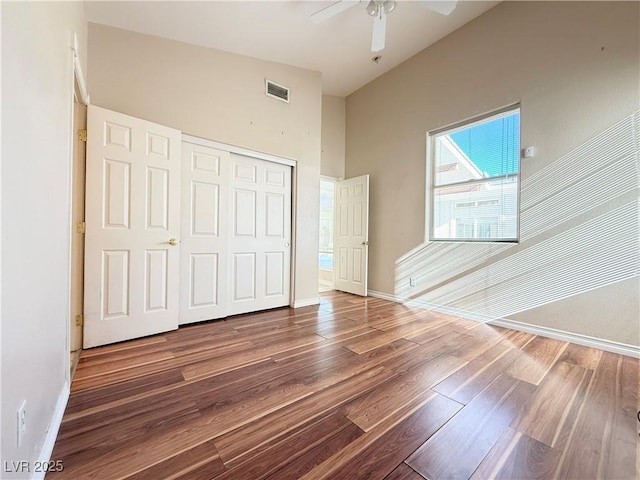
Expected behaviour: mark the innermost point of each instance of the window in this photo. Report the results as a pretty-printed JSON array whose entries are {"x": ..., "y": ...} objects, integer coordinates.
[
  {"x": 475, "y": 178},
  {"x": 325, "y": 258}
]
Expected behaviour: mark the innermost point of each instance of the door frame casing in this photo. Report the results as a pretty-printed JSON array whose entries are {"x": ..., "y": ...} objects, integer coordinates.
[
  {"x": 78, "y": 90},
  {"x": 78, "y": 165}
]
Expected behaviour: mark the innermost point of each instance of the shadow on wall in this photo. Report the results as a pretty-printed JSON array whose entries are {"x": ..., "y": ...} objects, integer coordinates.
[{"x": 579, "y": 230}]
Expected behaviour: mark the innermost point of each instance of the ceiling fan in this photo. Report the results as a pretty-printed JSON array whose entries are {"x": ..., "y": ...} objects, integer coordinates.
[{"x": 379, "y": 9}]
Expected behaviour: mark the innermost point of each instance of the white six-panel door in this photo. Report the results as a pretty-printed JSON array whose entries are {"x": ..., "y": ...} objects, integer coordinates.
[
  {"x": 132, "y": 215},
  {"x": 161, "y": 250},
  {"x": 260, "y": 235},
  {"x": 351, "y": 237},
  {"x": 205, "y": 231}
]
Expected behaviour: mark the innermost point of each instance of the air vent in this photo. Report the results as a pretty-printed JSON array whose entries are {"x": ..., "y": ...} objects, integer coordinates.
[{"x": 277, "y": 91}]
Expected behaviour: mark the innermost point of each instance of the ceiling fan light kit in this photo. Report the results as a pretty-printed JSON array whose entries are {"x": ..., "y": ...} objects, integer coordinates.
[
  {"x": 372, "y": 8},
  {"x": 375, "y": 6},
  {"x": 379, "y": 9}
]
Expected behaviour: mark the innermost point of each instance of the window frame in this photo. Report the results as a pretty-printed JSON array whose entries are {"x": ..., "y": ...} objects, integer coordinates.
[{"x": 431, "y": 173}]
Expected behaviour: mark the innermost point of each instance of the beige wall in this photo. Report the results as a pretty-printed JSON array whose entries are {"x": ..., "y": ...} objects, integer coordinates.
[
  {"x": 219, "y": 96},
  {"x": 574, "y": 68},
  {"x": 37, "y": 82},
  {"x": 333, "y": 136}
]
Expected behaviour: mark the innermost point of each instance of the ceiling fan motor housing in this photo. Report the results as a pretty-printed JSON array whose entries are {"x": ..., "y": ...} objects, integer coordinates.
[
  {"x": 374, "y": 6},
  {"x": 379, "y": 9}
]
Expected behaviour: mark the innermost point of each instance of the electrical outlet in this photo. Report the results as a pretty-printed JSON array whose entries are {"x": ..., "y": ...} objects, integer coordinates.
[
  {"x": 412, "y": 281},
  {"x": 22, "y": 421}
]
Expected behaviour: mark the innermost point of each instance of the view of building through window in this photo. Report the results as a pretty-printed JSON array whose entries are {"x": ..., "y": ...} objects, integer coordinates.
[{"x": 474, "y": 180}]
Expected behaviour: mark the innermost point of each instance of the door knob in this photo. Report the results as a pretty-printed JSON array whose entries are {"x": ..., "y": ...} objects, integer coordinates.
[
  {"x": 173, "y": 242},
  {"x": 365, "y": 243},
  {"x": 286, "y": 244}
]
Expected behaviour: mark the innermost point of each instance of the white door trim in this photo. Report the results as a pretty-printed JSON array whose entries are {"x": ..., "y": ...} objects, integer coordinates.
[
  {"x": 77, "y": 70},
  {"x": 77, "y": 76}
]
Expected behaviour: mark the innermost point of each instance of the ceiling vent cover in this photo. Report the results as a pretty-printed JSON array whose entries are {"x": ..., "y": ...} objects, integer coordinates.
[{"x": 277, "y": 91}]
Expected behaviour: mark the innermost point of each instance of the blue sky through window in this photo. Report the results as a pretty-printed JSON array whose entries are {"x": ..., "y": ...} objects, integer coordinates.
[{"x": 493, "y": 146}]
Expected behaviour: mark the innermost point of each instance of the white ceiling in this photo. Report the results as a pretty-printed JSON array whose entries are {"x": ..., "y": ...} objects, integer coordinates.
[{"x": 281, "y": 31}]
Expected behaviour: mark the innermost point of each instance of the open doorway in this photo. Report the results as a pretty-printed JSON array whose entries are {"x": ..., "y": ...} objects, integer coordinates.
[
  {"x": 77, "y": 228},
  {"x": 325, "y": 254}
]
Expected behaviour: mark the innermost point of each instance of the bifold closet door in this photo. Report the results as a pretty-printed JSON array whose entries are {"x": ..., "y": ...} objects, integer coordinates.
[
  {"x": 132, "y": 228},
  {"x": 236, "y": 234},
  {"x": 205, "y": 231},
  {"x": 259, "y": 235}
]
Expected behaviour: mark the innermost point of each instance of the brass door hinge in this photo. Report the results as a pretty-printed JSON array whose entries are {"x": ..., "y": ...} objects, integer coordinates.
[
  {"x": 82, "y": 135},
  {"x": 81, "y": 227},
  {"x": 79, "y": 320}
]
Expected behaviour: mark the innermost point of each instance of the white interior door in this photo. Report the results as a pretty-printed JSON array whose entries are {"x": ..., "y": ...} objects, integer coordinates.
[
  {"x": 132, "y": 216},
  {"x": 204, "y": 233},
  {"x": 260, "y": 235},
  {"x": 351, "y": 235}
]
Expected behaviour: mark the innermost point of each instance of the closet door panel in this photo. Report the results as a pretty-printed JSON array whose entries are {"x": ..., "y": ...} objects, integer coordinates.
[
  {"x": 260, "y": 238},
  {"x": 204, "y": 261}
]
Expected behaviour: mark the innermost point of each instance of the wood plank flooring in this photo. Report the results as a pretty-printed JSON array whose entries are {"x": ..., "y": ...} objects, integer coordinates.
[{"x": 355, "y": 388}]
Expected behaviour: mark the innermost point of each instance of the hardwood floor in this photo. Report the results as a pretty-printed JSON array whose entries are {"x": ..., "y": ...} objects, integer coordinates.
[{"x": 357, "y": 388}]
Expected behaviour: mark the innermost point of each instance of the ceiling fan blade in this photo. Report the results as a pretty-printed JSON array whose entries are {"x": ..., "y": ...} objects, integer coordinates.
[
  {"x": 332, "y": 10},
  {"x": 443, "y": 7},
  {"x": 379, "y": 31}
]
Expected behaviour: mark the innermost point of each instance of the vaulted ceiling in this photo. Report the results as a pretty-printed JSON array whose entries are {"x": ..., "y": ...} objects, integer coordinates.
[{"x": 281, "y": 31}]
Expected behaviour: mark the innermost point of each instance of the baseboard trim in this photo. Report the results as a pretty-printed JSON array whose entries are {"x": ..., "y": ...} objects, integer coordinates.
[
  {"x": 52, "y": 430},
  {"x": 384, "y": 296},
  {"x": 306, "y": 302},
  {"x": 586, "y": 340},
  {"x": 600, "y": 343}
]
